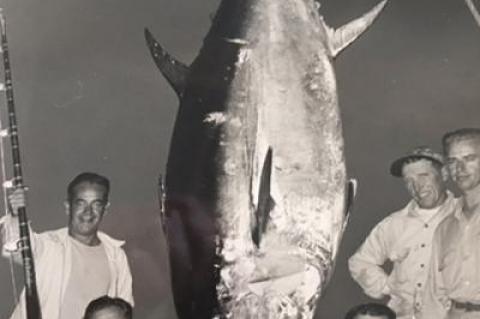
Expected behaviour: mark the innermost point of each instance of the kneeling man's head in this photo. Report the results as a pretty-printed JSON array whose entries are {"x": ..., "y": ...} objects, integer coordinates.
[
  {"x": 371, "y": 311},
  {"x": 108, "y": 308}
]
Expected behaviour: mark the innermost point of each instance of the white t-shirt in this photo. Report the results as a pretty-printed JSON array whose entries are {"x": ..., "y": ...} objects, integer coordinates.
[{"x": 89, "y": 279}]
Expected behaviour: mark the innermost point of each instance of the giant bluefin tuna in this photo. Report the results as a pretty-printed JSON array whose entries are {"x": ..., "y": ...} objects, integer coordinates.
[{"x": 256, "y": 186}]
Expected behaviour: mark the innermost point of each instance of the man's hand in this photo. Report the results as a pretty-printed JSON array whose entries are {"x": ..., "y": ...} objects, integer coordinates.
[
  {"x": 17, "y": 199},
  {"x": 10, "y": 231},
  {"x": 9, "y": 234},
  {"x": 400, "y": 255}
]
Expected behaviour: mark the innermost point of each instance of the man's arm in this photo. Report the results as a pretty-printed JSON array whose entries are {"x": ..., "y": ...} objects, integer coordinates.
[
  {"x": 10, "y": 238},
  {"x": 365, "y": 264},
  {"x": 124, "y": 288},
  {"x": 10, "y": 234}
]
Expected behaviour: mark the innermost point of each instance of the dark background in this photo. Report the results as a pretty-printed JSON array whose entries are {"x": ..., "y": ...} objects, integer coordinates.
[{"x": 89, "y": 98}]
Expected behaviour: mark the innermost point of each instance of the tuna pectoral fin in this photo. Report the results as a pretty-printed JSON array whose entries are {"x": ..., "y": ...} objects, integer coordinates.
[
  {"x": 351, "y": 193},
  {"x": 343, "y": 36},
  {"x": 174, "y": 71},
  {"x": 265, "y": 201},
  {"x": 162, "y": 198},
  {"x": 473, "y": 10}
]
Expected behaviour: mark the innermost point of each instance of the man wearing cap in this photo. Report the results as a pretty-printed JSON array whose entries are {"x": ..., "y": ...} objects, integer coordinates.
[
  {"x": 453, "y": 287},
  {"x": 405, "y": 236}
]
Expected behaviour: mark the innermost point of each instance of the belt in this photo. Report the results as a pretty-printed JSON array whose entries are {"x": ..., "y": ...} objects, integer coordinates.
[{"x": 466, "y": 306}]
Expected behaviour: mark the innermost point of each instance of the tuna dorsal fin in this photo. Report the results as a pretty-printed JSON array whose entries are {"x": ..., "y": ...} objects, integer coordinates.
[
  {"x": 265, "y": 200},
  {"x": 174, "y": 71},
  {"x": 340, "y": 38},
  {"x": 474, "y": 11}
]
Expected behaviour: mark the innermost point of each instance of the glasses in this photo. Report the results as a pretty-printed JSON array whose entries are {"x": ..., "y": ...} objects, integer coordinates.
[{"x": 96, "y": 205}]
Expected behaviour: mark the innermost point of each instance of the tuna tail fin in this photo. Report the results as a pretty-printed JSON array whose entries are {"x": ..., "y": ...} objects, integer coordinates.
[
  {"x": 174, "y": 71},
  {"x": 473, "y": 10},
  {"x": 340, "y": 38},
  {"x": 265, "y": 201}
]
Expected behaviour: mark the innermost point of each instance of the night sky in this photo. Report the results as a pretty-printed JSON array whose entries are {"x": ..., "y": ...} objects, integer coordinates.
[{"x": 89, "y": 98}]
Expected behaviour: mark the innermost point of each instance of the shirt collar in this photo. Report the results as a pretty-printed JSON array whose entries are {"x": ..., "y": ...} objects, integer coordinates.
[
  {"x": 412, "y": 207},
  {"x": 458, "y": 213},
  {"x": 104, "y": 238}
]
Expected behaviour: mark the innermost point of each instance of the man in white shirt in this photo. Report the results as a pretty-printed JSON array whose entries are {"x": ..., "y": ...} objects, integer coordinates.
[
  {"x": 453, "y": 286},
  {"x": 405, "y": 236},
  {"x": 75, "y": 264}
]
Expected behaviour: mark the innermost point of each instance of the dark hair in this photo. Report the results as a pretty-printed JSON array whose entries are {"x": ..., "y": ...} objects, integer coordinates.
[
  {"x": 88, "y": 177},
  {"x": 371, "y": 309},
  {"x": 459, "y": 135},
  {"x": 106, "y": 302}
]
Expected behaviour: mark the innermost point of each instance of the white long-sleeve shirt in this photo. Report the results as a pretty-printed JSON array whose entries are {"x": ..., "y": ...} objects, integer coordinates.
[
  {"x": 454, "y": 273},
  {"x": 52, "y": 253},
  {"x": 404, "y": 238}
]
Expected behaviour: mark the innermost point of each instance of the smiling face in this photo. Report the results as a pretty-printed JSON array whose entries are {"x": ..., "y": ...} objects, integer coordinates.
[
  {"x": 85, "y": 209},
  {"x": 463, "y": 160},
  {"x": 425, "y": 183}
]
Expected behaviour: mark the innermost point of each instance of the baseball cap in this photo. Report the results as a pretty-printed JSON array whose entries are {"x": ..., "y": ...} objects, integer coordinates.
[{"x": 419, "y": 152}]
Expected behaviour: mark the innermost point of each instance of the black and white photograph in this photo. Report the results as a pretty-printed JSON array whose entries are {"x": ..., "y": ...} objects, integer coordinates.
[{"x": 264, "y": 159}]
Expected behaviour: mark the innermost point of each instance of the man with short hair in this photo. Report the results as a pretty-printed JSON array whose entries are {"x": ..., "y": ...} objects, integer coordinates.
[
  {"x": 106, "y": 307},
  {"x": 370, "y": 311},
  {"x": 453, "y": 286},
  {"x": 78, "y": 263},
  {"x": 404, "y": 237}
]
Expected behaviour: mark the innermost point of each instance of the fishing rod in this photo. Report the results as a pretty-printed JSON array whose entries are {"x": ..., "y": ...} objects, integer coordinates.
[{"x": 32, "y": 304}]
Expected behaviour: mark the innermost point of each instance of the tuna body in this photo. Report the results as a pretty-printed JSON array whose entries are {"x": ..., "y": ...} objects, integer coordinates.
[{"x": 257, "y": 190}]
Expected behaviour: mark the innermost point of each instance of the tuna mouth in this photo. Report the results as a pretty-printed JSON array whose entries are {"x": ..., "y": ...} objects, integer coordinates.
[
  {"x": 283, "y": 273},
  {"x": 263, "y": 277},
  {"x": 305, "y": 281}
]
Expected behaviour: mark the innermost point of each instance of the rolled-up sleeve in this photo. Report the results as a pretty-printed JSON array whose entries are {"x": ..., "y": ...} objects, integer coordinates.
[
  {"x": 124, "y": 286},
  {"x": 365, "y": 264},
  {"x": 11, "y": 239}
]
